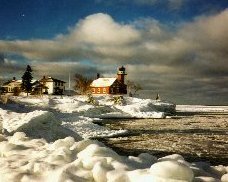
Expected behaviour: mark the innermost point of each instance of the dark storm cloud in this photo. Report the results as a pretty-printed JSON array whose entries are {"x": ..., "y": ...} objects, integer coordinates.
[
  {"x": 63, "y": 69},
  {"x": 8, "y": 66}
]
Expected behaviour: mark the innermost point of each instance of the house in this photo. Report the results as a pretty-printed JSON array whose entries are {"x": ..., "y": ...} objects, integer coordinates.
[
  {"x": 110, "y": 85},
  {"x": 52, "y": 86},
  {"x": 46, "y": 85},
  {"x": 13, "y": 85},
  {"x": 37, "y": 88}
]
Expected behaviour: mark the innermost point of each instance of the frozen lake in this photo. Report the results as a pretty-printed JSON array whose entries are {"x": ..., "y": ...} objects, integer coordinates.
[{"x": 197, "y": 133}]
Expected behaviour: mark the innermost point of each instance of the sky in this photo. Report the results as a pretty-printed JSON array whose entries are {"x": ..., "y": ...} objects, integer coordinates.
[{"x": 177, "y": 48}]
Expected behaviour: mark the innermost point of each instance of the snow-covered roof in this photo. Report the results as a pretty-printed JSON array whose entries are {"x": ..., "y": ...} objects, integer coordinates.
[
  {"x": 15, "y": 83},
  {"x": 103, "y": 82}
]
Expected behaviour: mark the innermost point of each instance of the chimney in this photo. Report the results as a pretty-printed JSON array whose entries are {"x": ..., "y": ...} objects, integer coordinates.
[
  {"x": 43, "y": 77},
  {"x": 14, "y": 78},
  {"x": 98, "y": 75}
]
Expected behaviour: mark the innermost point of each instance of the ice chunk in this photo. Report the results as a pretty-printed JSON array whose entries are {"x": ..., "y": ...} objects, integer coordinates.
[
  {"x": 224, "y": 178},
  {"x": 117, "y": 176},
  {"x": 100, "y": 171},
  {"x": 172, "y": 170},
  {"x": 96, "y": 150}
]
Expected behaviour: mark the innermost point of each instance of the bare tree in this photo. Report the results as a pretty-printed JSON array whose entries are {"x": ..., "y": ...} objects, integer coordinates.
[
  {"x": 133, "y": 87},
  {"x": 82, "y": 83}
]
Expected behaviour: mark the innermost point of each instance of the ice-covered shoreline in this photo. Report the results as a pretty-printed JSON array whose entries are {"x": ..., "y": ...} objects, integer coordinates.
[{"x": 76, "y": 114}]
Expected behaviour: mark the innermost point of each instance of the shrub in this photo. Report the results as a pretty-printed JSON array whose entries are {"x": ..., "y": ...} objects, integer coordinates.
[{"x": 91, "y": 100}]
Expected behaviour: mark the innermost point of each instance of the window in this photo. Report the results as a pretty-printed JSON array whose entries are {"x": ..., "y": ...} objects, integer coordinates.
[
  {"x": 117, "y": 89},
  {"x": 93, "y": 90},
  {"x": 112, "y": 91},
  {"x": 104, "y": 90},
  {"x": 98, "y": 90}
]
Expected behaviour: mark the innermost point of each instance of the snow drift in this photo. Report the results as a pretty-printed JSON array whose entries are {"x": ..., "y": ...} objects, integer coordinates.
[
  {"x": 105, "y": 107},
  {"x": 36, "y": 124},
  {"x": 25, "y": 159},
  {"x": 42, "y": 117},
  {"x": 32, "y": 158}
]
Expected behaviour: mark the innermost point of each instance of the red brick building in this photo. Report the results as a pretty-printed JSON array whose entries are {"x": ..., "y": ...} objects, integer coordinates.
[{"x": 110, "y": 85}]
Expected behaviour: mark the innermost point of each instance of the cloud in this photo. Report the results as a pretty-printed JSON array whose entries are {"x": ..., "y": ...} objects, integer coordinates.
[
  {"x": 91, "y": 36},
  {"x": 171, "y": 60},
  {"x": 8, "y": 65},
  {"x": 63, "y": 69},
  {"x": 101, "y": 29}
]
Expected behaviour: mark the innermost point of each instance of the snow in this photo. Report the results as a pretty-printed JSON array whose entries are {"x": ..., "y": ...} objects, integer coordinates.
[
  {"x": 36, "y": 124},
  {"x": 131, "y": 108},
  {"x": 26, "y": 159},
  {"x": 13, "y": 121},
  {"x": 201, "y": 108},
  {"x": 103, "y": 82},
  {"x": 85, "y": 128},
  {"x": 172, "y": 170},
  {"x": 49, "y": 139},
  {"x": 42, "y": 116}
]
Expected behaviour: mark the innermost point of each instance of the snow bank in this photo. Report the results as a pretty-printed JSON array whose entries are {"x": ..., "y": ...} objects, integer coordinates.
[
  {"x": 13, "y": 121},
  {"x": 85, "y": 127},
  {"x": 25, "y": 159},
  {"x": 135, "y": 108},
  {"x": 131, "y": 107},
  {"x": 52, "y": 126},
  {"x": 36, "y": 124},
  {"x": 76, "y": 114},
  {"x": 139, "y": 108}
]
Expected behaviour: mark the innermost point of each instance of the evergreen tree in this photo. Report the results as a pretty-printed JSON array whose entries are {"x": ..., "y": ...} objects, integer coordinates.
[{"x": 27, "y": 80}]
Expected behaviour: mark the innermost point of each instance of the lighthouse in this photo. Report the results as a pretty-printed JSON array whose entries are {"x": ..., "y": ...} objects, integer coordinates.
[{"x": 121, "y": 74}]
